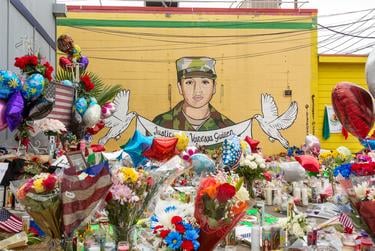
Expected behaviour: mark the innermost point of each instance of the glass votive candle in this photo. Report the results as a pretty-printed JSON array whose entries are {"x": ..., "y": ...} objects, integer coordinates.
[{"x": 123, "y": 246}]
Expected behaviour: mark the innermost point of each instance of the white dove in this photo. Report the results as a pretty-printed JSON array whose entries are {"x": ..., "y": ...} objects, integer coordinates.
[
  {"x": 271, "y": 122},
  {"x": 120, "y": 119}
]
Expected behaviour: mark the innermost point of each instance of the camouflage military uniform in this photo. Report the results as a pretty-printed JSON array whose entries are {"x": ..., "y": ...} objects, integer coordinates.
[{"x": 175, "y": 119}]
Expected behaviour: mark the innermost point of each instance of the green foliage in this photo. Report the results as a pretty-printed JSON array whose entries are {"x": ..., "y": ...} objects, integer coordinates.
[{"x": 102, "y": 92}]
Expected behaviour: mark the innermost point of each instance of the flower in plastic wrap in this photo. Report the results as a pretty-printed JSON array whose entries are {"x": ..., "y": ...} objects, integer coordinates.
[
  {"x": 296, "y": 225},
  {"x": 41, "y": 197},
  {"x": 219, "y": 207},
  {"x": 361, "y": 190}
]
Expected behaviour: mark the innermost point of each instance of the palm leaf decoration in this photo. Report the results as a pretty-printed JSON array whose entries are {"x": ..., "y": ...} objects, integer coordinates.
[{"x": 102, "y": 92}]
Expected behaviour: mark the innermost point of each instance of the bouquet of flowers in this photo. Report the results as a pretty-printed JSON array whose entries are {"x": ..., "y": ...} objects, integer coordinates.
[
  {"x": 296, "y": 225},
  {"x": 220, "y": 204},
  {"x": 175, "y": 225},
  {"x": 30, "y": 64},
  {"x": 252, "y": 167},
  {"x": 50, "y": 127},
  {"x": 129, "y": 196},
  {"x": 364, "y": 202},
  {"x": 41, "y": 197},
  {"x": 329, "y": 161}
]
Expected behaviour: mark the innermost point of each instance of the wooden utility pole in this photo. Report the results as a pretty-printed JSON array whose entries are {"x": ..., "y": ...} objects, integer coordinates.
[{"x": 295, "y": 4}]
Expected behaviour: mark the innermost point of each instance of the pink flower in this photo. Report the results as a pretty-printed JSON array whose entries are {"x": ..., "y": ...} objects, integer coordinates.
[{"x": 121, "y": 193}]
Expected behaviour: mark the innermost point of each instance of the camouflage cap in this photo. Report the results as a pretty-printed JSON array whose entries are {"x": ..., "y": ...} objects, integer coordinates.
[{"x": 196, "y": 66}]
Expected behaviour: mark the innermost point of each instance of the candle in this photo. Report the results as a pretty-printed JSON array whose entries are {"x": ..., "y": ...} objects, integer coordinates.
[
  {"x": 80, "y": 246},
  {"x": 269, "y": 196},
  {"x": 94, "y": 248},
  {"x": 255, "y": 238},
  {"x": 123, "y": 246},
  {"x": 297, "y": 193},
  {"x": 305, "y": 199}
]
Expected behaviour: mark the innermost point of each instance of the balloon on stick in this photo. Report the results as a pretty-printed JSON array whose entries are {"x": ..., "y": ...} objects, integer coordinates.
[{"x": 353, "y": 106}]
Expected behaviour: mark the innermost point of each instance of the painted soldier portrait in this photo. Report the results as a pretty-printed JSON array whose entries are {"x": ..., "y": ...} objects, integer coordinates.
[{"x": 196, "y": 82}]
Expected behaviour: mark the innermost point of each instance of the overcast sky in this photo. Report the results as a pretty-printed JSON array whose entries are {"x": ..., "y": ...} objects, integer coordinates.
[{"x": 341, "y": 39}]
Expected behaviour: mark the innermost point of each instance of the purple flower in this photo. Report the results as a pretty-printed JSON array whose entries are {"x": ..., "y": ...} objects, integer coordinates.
[{"x": 121, "y": 193}]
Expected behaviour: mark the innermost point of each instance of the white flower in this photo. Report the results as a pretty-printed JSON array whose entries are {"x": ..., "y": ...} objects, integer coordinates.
[
  {"x": 253, "y": 165},
  {"x": 298, "y": 231},
  {"x": 247, "y": 162},
  {"x": 242, "y": 194},
  {"x": 250, "y": 157},
  {"x": 371, "y": 194},
  {"x": 262, "y": 165},
  {"x": 361, "y": 190}
]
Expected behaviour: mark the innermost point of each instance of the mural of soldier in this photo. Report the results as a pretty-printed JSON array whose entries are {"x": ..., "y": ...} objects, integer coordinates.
[{"x": 196, "y": 82}]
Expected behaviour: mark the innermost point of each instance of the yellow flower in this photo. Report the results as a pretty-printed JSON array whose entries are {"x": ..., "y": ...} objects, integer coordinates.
[
  {"x": 129, "y": 174},
  {"x": 335, "y": 154},
  {"x": 38, "y": 186},
  {"x": 182, "y": 142}
]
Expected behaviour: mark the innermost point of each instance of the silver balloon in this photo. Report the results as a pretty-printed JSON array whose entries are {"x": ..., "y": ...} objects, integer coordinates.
[{"x": 370, "y": 72}]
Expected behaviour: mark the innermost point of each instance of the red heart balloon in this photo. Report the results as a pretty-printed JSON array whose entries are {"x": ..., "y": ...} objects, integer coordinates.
[
  {"x": 64, "y": 62},
  {"x": 161, "y": 149},
  {"x": 308, "y": 162},
  {"x": 252, "y": 143},
  {"x": 354, "y": 108}
]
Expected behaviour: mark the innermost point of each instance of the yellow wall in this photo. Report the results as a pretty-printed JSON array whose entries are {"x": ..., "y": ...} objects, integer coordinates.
[
  {"x": 249, "y": 62},
  {"x": 334, "y": 69}
]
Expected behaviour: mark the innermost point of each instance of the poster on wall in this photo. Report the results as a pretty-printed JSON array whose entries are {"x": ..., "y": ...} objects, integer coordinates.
[
  {"x": 195, "y": 115},
  {"x": 333, "y": 122}
]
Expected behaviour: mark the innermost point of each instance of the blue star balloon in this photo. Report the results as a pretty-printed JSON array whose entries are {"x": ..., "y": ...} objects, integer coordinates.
[
  {"x": 202, "y": 163},
  {"x": 136, "y": 146},
  {"x": 231, "y": 151},
  {"x": 9, "y": 84},
  {"x": 33, "y": 87}
]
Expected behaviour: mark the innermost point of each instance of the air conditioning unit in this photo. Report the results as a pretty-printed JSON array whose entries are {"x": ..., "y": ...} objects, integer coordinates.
[{"x": 161, "y": 3}]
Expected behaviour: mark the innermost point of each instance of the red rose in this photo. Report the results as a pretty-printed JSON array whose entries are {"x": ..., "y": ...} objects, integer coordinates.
[
  {"x": 187, "y": 245},
  {"x": 176, "y": 219},
  {"x": 49, "y": 183},
  {"x": 150, "y": 181},
  {"x": 164, "y": 233},
  {"x": 267, "y": 176},
  {"x": 180, "y": 228},
  {"x": 20, "y": 63},
  {"x": 32, "y": 60},
  {"x": 108, "y": 197},
  {"x": 48, "y": 71},
  {"x": 87, "y": 83},
  {"x": 225, "y": 192}
]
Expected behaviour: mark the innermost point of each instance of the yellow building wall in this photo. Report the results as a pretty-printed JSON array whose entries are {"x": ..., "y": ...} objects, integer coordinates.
[
  {"x": 331, "y": 70},
  {"x": 250, "y": 61}
]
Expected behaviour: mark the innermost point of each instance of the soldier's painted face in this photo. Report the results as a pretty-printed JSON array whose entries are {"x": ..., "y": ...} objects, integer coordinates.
[{"x": 197, "y": 91}]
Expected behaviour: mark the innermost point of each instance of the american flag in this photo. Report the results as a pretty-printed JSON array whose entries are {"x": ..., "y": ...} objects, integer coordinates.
[
  {"x": 9, "y": 222},
  {"x": 81, "y": 197},
  {"x": 64, "y": 98},
  {"x": 346, "y": 222}
]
